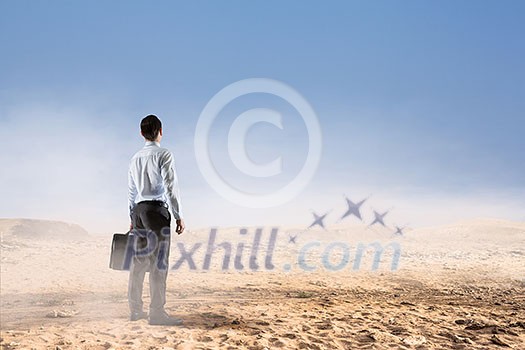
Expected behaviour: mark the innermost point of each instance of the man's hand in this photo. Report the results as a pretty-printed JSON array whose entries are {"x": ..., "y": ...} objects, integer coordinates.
[{"x": 180, "y": 226}]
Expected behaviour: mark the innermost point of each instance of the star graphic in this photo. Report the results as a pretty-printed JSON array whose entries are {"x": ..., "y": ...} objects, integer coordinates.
[
  {"x": 399, "y": 231},
  {"x": 378, "y": 218},
  {"x": 318, "y": 220},
  {"x": 353, "y": 209}
]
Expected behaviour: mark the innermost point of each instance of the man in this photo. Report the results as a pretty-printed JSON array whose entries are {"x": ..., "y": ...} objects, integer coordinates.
[{"x": 153, "y": 187}]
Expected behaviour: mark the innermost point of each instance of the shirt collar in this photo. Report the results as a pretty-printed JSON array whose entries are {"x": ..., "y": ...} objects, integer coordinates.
[{"x": 152, "y": 143}]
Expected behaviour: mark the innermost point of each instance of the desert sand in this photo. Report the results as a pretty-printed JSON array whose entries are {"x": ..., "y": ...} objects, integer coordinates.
[{"x": 460, "y": 286}]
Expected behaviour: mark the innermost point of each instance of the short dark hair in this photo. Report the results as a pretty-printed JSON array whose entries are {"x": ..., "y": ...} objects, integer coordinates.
[{"x": 150, "y": 127}]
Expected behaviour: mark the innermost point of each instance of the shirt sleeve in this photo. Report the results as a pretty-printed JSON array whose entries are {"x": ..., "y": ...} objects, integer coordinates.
[
  {"x": 132, "y": 192},
  {"x": 171, "y": 183}
]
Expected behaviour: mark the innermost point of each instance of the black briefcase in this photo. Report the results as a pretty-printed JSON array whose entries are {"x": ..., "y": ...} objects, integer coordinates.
[{"x": 121, "y": 252}]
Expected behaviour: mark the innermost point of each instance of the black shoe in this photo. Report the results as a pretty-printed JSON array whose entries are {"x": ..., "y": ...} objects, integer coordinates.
[
  {"x": 163, "y": 319},
  {"x": 138, "y": 315}
]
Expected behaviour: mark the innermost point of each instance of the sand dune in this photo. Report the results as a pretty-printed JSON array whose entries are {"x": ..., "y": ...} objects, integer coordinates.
[
  {"x": 41, "y": 229},
  {"x": 459, "y": 286}
]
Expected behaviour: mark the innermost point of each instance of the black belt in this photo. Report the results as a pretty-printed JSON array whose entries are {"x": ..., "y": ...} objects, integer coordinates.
[{"x": 157, "y": 203}]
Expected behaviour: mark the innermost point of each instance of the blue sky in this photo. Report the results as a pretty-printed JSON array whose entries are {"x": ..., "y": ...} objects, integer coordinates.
[{"x": 419, "y": 102}]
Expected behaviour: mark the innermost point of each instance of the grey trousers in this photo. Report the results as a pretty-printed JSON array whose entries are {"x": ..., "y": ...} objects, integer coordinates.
[{"x": 151, "y": 239}]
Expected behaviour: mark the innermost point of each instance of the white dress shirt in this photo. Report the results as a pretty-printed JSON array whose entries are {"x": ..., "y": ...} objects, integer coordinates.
[{"x": 152, "y": 177}]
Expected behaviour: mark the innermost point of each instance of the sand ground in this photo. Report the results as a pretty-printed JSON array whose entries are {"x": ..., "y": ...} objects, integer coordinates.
[{"x": 457, "y": 287}]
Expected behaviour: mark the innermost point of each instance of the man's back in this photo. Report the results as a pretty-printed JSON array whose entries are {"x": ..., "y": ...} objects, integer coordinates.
[
  {"x": 145, "y": 170},
  {"x": 152, "y": 177}
]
